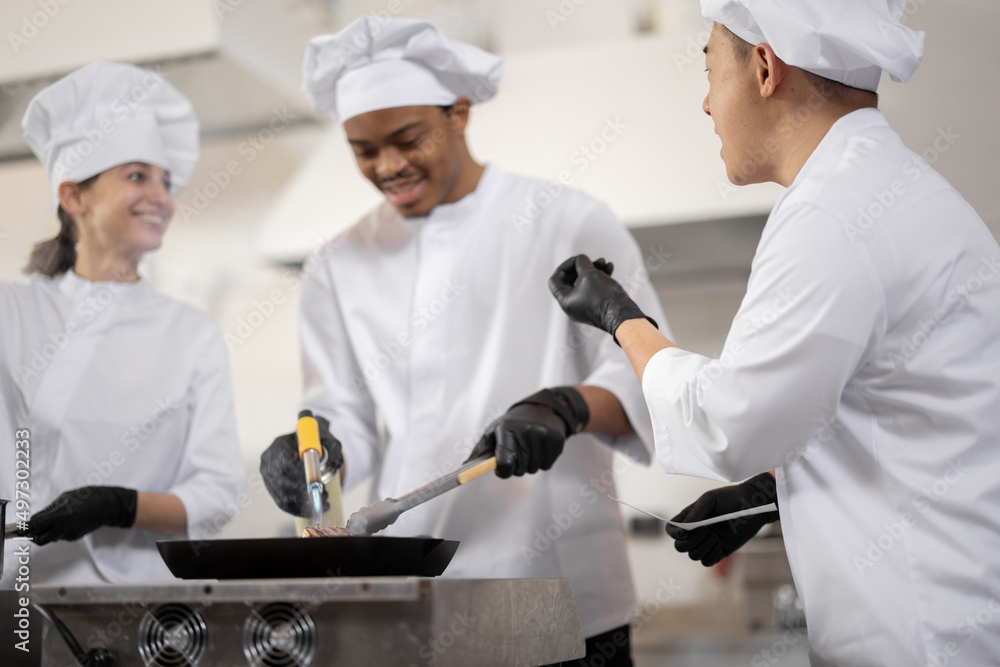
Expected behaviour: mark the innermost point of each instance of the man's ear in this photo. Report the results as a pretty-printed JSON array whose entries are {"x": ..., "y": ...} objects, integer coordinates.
[
  {"x": 770, "y": 70},
  {"x": 458, "y": 116}
]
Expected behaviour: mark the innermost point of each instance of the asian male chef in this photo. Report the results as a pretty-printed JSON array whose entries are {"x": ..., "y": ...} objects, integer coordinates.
[
  {"x": 863, "y": 364},
  {"x": 427, "y": 332}
]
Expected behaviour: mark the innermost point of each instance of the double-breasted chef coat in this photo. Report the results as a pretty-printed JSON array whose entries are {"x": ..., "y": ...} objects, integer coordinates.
[
  {"x": 864, "y": 367},
  {"x": 418, "y": 332},
  {"x": 117, "y": 386}
]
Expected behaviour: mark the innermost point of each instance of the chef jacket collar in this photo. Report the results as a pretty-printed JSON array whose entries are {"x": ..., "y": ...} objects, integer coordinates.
[
  {"x": 465, "y": 210},
  {"x": 839, "y": 132},
  {"x": 77, "y": 288}
]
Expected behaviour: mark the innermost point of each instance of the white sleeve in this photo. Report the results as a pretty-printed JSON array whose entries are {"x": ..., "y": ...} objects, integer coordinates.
[
  {"x": 334, "y": 385},
  {"x": 602, "y": 235},
  {"x": 812, "y": 309},
  {"x": 210, "y": 476}
]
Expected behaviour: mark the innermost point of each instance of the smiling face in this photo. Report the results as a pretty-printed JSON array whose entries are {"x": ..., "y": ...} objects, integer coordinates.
[
  {"x": 734, "y": 103},
  {"x": 415, "y": 155},
  {"x": 125, "y": 211}
]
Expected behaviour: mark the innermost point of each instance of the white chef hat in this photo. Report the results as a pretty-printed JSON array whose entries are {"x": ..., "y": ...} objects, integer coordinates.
[
  {"x": 382, "y": 63},
  {"x": 107, "y": 114},
  {"x": 850, "y": 41}
]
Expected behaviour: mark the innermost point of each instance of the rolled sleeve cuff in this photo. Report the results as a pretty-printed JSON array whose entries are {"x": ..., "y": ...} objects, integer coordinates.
[
  {"x": 206, "y": 518},
  {"x": 665, "y": 383}
]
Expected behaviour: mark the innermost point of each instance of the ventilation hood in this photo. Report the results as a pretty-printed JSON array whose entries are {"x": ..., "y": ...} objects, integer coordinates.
[{"x": 238, "y": 60}]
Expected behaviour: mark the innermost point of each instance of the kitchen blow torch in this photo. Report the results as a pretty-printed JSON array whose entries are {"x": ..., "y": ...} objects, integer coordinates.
[{"x": 310, "y": 451}]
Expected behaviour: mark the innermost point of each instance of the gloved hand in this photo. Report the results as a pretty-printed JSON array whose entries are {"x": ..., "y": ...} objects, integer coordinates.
[
  {"x": 710, "y": 544},
  {"x": 83, "y": 510},
  {"x": 587, "y": 293},
  {"x": 284, "y": 474},
  {"x": 529, "y": 437}
]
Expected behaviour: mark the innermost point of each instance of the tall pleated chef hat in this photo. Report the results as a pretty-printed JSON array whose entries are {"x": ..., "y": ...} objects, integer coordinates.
[
  {"x": 850, "y": 41},
  {"x": 107, "y": 114},
  {"x": 382, "y": 63}
]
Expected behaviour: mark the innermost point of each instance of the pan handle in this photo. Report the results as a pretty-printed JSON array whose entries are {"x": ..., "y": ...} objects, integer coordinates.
[
  {"x": 10, "y": 531},
  {"x": 489, "y": 465}
]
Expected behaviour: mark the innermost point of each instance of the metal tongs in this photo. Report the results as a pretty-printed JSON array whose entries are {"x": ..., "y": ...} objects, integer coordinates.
[{"x": 382, "y": 513}]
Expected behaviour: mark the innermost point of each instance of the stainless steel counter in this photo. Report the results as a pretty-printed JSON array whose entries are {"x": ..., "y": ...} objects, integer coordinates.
[{"x": 378, "y": 621}]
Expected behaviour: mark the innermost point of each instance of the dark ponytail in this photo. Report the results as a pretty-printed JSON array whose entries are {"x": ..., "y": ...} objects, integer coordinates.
[{"x": 57, "y": 255}]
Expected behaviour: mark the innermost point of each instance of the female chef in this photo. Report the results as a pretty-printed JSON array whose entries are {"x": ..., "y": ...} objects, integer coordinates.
[
  {"x": 862, "y": 365},
  {"x": 120, "y": 397}
]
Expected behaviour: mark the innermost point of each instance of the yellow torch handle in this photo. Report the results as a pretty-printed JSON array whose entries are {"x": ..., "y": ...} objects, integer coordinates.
[{"x": 307, "y": 431}]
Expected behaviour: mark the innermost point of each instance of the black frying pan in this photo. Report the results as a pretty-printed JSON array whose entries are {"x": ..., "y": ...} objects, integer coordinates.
[{"x": 276, "y": 558}]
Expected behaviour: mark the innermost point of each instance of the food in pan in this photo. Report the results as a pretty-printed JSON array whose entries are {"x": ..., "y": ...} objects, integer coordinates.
[{"x": 325, "y": 531}]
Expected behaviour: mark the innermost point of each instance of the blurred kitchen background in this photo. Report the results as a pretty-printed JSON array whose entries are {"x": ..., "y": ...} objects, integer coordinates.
[{"x": 608, "y": 91}]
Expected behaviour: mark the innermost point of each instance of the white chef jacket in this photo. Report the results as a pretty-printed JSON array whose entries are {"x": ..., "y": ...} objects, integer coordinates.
[
  {"x": 418, "y": 332},
  {"x": 863, "y": 366},
  {"x": 118, "y": 386}
]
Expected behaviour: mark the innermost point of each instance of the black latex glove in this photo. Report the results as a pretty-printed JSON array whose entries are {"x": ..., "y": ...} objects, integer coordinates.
[
  {"x": 80, "y": 511},
  {"x": 587, "y": 293},
  {"x": 284, "y": 474},
  {"x": 529, "y": 437},
  {"x": 710, "y": 544}
]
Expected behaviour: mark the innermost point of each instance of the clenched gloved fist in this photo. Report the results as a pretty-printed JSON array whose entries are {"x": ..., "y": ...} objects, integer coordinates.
[
  {"x": 710, "y": 544},
  {"x": 83, "y": 510},
  {"x": 529, "y": 437},
  {"x": 284, "y": 474},
  {"x": 587, "y": 293}
]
